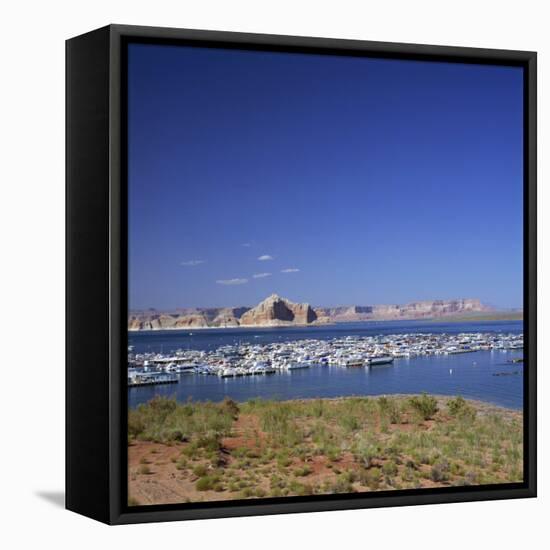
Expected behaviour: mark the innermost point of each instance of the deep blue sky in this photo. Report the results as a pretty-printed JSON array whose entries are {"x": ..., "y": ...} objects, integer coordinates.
[{"x": 381, "y": 181}]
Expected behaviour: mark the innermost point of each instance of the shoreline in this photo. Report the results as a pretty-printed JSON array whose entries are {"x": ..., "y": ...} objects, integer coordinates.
[
  {"x": 429, "y": 320},
  {"x": 190, "y": 329},
  {"x": 486, "y": 406}
]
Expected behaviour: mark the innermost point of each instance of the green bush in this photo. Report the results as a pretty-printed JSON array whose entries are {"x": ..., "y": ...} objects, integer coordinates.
[
  {"x": 200, "y": 470},
  {"x": 456, "y": 469},
  {"x": 283, "y": 460},
  {"x": 302, "y": 472},
  {"x": 299, "y": 489},
  {"x": 366, "y": 453},
  {"x": 164, "y": 420},
  {"x": 247, "y": 492},
  {"x": 425, "y": 405},
  {"x": 389, "y": 408},
  {"x": 136, "y": 424},
  {"x": 459, "y": 408},
  {"x": 341, "y": 485},
  {"x": 372, "y": 478},
  {"x": 181, "y": 463},
  {"x": 205, "y": 483},
  {"x": 389, "y": 468},
  {"x": 350, "y": 423}
]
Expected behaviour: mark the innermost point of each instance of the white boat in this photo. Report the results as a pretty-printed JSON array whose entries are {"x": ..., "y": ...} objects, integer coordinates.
[
  {"x": 354, "y": 362},
  {"x": 226, "y": 373},
  {"x": 380, "y": 360},
  {"x": 150, "y": 379},
  {"x": 295, "y": 366}
]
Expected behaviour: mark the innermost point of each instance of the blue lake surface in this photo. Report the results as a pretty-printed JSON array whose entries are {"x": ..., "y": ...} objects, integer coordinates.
[{"x": 470, "y": 375}]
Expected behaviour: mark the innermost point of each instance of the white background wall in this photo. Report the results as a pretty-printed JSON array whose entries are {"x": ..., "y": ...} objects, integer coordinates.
[{"x": 32, "y": 271}]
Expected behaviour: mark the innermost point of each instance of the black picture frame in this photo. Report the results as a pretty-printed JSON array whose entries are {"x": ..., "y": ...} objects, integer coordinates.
[{"x": 96, "y": 274}]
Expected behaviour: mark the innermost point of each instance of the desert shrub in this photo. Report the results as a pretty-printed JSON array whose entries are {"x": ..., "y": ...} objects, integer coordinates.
[
  {"x": 302, "y": 472},
  {"x": 459, "y": 408},
  {"x": 372, "y": 478},
  {"x": 365, "y": 453},
  {"x": 341, "y": 484},
  {"x": 349, "y": 422},
  {"x": 456, "y": 469},
  {"x": 409, "y": 474},
  {"x": 276, "y": 482},
  {"x": 389, "y": 408},
  {"x": 349, "y": 475},
  {"x": 299, "y": 489},
  {"x": 425, "y": 405},
  {"x": 440, "y": 471},
  {"x": 471, "y": 478},
  {"x": 318, "y": 408},
  {"x": 333, "y": 454},
  {"x": 205, "y": 483},
  {"x": 230, "y": 407},
  {"x": 200, "y": 470},
  {"x": 284, "y": 460},
  {"x": 136, "y": 423},
  {"x": 181, "y": 463},
  {"x": 164, "y": 420},
  {"x": 389, "y": 468},
  {"x": 278, "y": 420},
  {"x": 176, "y": 435},
  {"x": 247, "y": 492},
  {"x": 209, "y": 442},
  {"x": 144, "y": 469},
  {"x": 162, "y": 406}
]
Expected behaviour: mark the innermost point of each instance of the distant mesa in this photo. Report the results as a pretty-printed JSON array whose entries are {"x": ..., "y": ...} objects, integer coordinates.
[
  {"x": 426, "y": 309},
  {"x": 276, "y": 311}
]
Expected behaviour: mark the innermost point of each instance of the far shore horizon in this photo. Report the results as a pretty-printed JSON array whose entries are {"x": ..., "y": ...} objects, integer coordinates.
[
  {"x": 275, "y": 311},
  {"x": 178, "y": 309},
  {"x": 516, "y": 315}
]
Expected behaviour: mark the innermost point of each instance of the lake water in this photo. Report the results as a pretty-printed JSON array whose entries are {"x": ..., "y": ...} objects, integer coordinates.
[{"x": 470, "y": 375}]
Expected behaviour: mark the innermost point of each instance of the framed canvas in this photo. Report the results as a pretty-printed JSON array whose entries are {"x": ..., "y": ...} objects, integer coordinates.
[{"x": 301, "y": 274}]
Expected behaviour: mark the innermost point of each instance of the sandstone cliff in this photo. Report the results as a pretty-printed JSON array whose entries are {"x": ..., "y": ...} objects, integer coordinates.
[
  {"x": 276, "y": 311},
  {"x": 414, "y": 310}
]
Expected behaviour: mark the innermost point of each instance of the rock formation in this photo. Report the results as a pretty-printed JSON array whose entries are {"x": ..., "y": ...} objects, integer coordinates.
[
  {"x": 414, "y": 310},
  {"x": 275, "y": 311}
]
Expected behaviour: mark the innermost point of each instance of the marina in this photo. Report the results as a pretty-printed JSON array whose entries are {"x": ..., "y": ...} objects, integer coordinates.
[{"x": 465, "y": 363}]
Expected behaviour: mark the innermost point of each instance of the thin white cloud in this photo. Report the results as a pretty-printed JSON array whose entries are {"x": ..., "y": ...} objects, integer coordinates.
[
  {"x": 246, "y": 244},
  {"x": 290, "y": 270},
  {"x": 232, "y": 282},
  {"x": 261, "y": 275},
  {"x": 265, "y": 257},
  {"x": 192, "y": 263}
]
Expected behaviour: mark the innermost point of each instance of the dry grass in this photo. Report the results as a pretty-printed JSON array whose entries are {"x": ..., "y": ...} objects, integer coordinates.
[{"x": 269, "y": 448}]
